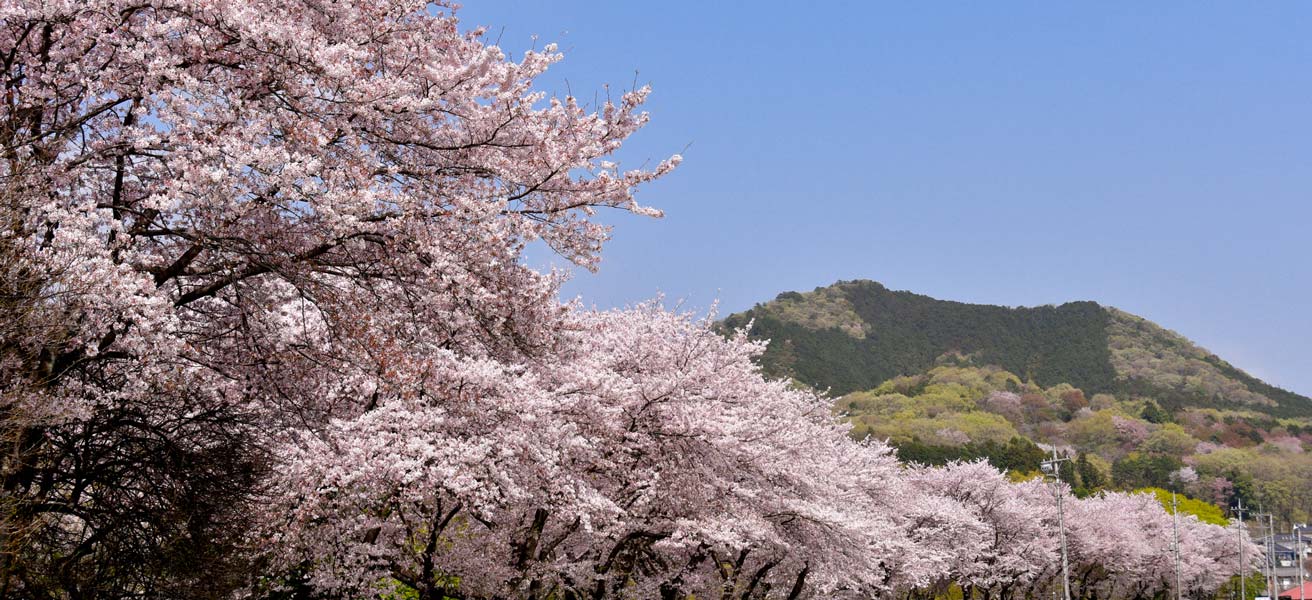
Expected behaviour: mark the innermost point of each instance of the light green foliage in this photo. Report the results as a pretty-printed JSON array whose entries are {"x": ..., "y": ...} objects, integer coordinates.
[
  {"x": 1102, "y": 401},
  {"x": 1144, "y": 351},
  {"x": 1231, "y": 459},
  {"x": 902, "y": 384},
  {"x": 1056, "y": 392},
  {"x": 937, "y": 408},
  {"x": 874, "y": 402},
  {"x": 1253, "y": 585},
  {"x": 1019, "y": 476},
  {"x": 950, "y": 407},
  {"x": 983, "y": 427},
  {"x": 973, "y": 380},
  {"x": 1278, "y": 480},
  {"x": 1205, "y": 511},
  {"x": 940, "y": 398},
  {"x": 1170, "y": 439},
  {"x": 1003, "y": 380},
  {"x": 1101, "y": 468},
  {"x": 824, "y": 308},
  {"x": 1282, "y": 466},
  {"x": 1300, "y": 422},
  {"x": 946, "y": 429},
  {"x": 950, "y": 389},
  {"x": 1095, "y": 432},
  {"x": 391, "y": 589}
]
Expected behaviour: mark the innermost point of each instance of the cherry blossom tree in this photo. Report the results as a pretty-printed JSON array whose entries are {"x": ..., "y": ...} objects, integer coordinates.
[
  {"x": 1121, "y": 547},
  {"x": 1120, "y": 544},
  {"x": 227, "y": 224},
  {"x": 1017, "y": 543},
  {"x": 652, "y": 460},
  {"x": 265, "y": 331}
]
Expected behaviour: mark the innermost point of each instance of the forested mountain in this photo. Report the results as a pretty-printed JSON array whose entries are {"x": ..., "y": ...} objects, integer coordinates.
[
  {"x": 854, "y": 335},
  {"x": 1136, "y": 404}
]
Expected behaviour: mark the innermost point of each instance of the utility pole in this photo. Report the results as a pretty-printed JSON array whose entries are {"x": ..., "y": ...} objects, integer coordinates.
[
  {"x": 1175, "y": 543},
  {"x": 1239, "y": 529},
  {"x": 1275, "y": 583},
  {"x": 1268, "y": 548},
  {"x": 1052, "y": 467},
  {"x": 1298, "y": 559}
]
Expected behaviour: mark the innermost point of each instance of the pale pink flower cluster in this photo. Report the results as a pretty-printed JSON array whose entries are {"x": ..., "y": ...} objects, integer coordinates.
[
  {"x": 1131, "y": 431},
  {"x": 1286, "y": 443},
  {"x": 1118, "y": 543}
]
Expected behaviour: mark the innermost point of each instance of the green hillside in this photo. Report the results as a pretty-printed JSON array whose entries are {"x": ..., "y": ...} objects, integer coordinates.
[
  {"x": 964, "y": 411},
  {"x": 1138, "y": 405},
  {"x": 854, "y": 335}
]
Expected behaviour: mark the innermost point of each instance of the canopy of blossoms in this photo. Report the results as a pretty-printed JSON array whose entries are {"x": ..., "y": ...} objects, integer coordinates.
[{"x": 265, "y": 331}]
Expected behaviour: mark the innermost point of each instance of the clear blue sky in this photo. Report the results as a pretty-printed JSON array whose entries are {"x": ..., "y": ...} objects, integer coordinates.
[{"x": 1156, "y": 157}]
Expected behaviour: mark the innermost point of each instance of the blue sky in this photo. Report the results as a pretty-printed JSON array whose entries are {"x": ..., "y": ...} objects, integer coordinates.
[{"x": 1156, "y": 157}]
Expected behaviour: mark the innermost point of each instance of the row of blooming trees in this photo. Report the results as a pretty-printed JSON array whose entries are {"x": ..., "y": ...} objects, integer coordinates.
[
  {"x": 265, "y": 332},
  {"x": 1120, "y": 545}
]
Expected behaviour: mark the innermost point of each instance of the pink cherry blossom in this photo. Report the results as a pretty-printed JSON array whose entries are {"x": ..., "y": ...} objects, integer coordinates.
[{"x": 265, "y": 327}]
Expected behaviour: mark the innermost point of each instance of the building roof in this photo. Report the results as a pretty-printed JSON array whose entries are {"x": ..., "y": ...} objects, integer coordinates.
[
  {"x": 1290, "y": 539},
  {"x": 1283, "y": 545},
  {"x": 1296, "y": 593}
]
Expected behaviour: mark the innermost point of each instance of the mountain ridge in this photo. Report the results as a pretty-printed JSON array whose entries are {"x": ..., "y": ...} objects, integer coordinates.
[{"x": 854, "y": 335}]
